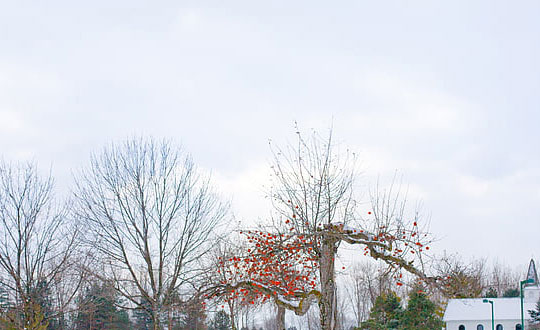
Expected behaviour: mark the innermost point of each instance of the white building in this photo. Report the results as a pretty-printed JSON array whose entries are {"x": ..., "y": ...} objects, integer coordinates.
[{"x": 474, "y": 314}]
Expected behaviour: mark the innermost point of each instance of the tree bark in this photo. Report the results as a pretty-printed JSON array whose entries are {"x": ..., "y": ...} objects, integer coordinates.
[
  {"x": 280, "y": 318},
  {"x": 327, "y": 303},
  {"x": 169, "y": 317},
  {"x": 155, "y": 318},
  {"x": 146, "y": 208},
  {"x": 233, "y": 318}
]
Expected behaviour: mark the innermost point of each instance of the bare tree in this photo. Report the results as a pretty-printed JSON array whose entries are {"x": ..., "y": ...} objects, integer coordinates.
[
  {"x": 363, "y": 284},
  {"x": 502, "y": 278},
  {"x": 36, "y": 246},
  {"x": 459, "y": 279},
  {"x": 150, "y": 215}
]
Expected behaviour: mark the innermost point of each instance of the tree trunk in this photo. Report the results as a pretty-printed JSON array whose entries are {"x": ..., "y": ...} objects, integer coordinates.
[
  {"x": 155, "y": 318},
  {"x": 232, "y": 314},
  {"x": 280, "y": 318},
  {"x": 327, "y": 303}
]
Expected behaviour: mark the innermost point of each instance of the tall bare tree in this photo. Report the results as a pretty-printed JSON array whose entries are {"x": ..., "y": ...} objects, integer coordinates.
[
  {"x": 36, "y": 245},
  {"x": 460, "y": 279},
  {"x": 363, "y": 284},
  {"x": 150, "y": 215},
  {"x": 502, "y": 278}
]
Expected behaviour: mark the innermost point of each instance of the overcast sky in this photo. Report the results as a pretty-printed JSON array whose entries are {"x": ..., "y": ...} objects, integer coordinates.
[{"x": 445, "y": 92}]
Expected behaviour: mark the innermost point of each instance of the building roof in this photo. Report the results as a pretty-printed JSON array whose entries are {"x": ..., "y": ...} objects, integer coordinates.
[
  {"x": 532, "y": 274},
  {"x": 475, "y": 309}
]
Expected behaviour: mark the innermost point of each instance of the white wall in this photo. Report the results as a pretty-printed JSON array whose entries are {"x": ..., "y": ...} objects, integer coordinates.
[
  {"x": 531, "y": 294},
  {"x": 471, "y": 325}
]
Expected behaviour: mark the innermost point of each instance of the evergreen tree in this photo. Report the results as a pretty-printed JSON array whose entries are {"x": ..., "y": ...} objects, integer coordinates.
[
  {"x": 143, "y": 316},
  {"x": 40, "y": 295},
  {"x": 491, "y": 293},
  {"x": 4, "y": 301},
  {"x": 385, "y": 314},
  {"x": 511, "y": 293},
  {"x": 97, "y": 310},
  {"x": 221, "y": 321},
  {"x": 420, "y": 313},
  {"x": 535, "y": 314}
]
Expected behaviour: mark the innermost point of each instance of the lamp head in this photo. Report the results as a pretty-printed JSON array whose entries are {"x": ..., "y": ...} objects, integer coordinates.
[{"x": 485, "y": 301}]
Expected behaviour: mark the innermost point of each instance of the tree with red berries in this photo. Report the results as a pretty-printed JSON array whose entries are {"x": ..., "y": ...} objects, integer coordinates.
[
  {"x": 312, "y": 191},
  {"x": 270, "y": 264},
  {"x": 228, "y": 267}
]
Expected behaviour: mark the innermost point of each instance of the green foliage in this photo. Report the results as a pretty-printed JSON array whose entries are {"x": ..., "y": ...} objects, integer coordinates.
[
  {"x": 420, "y": 313},
  {"x": 97, "y": 310},
  {"x": 535, "y": 314},
  {"x": 491, "y": 293},
  {"x": 40, "y": 294},
  {"x": 385, "y": 313},
  {"x": 143, "y": 316},
  {"x": 32, "y": 319},
  {"x": 221, "y": 321},
  {"x": 4, "y": 300},
  {"x": 511, "y": 293}
]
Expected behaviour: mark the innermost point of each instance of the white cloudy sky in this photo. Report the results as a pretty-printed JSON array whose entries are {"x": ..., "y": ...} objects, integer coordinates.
[{"x": 446, "y": 92}]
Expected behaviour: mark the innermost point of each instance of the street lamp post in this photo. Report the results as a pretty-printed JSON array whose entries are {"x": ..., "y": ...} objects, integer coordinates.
[
  {"x": 529, "y": 280},
  {"x": 492, "y": 314}
]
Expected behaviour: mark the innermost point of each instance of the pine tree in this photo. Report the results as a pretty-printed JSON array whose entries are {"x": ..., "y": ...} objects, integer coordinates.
[
  {"x": 143, "y": 316},
  {"x": 385, "y": 314},
  {"x": 97, "y": 310},
  {"x": 511, "y": 293},
  {"x": 4, "y": 301},
  {"x": 221, "y": 321},
  {"x": 535, "y": 314},
  {"x": 40, "y": 294},
  {"x": 420, "y": 313}
]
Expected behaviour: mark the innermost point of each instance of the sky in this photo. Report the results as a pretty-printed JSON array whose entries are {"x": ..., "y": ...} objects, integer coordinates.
[{"x": 446, "y": 93}]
